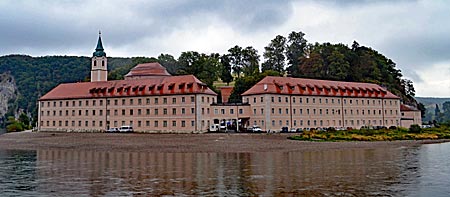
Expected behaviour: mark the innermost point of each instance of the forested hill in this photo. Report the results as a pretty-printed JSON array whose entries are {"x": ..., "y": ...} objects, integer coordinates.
[{"x": 35, "y": 76}]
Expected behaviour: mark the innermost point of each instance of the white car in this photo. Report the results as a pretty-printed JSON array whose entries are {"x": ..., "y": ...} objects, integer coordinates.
[
  {"x": 256, "y": 129},
  {"x": 126, "y": 129}
]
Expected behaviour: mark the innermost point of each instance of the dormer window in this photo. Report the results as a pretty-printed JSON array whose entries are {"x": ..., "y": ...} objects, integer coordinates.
[{"x": 159, "y": 87}]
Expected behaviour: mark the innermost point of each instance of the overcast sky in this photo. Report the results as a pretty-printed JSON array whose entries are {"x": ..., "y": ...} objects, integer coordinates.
[{"x": 414, "y": 34}]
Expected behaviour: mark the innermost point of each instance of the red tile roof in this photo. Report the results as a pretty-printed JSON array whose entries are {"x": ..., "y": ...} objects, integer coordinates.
[
  {"x": 302, "y": 86},
  {"x": 148, "y": 69},
  {"x": 185, "y": 84},
  {"x": 225, "y": 93}
]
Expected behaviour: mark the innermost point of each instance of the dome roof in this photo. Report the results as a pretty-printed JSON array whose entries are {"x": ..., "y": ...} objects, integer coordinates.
[{"x": 147, "y": 70}]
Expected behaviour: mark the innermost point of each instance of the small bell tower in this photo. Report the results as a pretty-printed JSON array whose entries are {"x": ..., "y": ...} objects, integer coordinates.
[{"x": 99, "y": 67}]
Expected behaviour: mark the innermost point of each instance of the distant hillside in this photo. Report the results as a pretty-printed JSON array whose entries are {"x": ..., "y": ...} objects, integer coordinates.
[
  {"x": 35, "y": 76},
  {"x": 430, "y": 101},
  {"x": 430, "y": 106}
]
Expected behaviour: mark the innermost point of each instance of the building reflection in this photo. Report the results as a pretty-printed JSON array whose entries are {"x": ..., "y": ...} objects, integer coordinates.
[{"x": 350, "y": 171}]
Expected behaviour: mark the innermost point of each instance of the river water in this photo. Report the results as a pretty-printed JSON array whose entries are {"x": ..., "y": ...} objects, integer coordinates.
[{"x": 401, "y": 171}]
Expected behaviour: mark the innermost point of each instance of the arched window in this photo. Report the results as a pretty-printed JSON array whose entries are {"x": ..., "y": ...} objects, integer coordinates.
[
  {"x": 103, "y": 63},
  {"x": 95, "y": 63}
]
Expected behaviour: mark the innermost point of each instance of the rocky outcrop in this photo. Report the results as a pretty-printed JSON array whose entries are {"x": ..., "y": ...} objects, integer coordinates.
[{"x": 8, "y": 91}]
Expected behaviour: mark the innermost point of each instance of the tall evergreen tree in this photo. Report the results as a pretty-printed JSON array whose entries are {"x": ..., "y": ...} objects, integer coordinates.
[{"x": 274, "y": 55}]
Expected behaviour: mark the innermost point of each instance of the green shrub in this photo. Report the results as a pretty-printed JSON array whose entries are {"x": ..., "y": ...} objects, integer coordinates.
[{"x": 415, "y": 129}]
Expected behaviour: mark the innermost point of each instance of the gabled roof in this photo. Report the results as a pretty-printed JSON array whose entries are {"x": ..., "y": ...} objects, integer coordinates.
[
  {"x": 185, "y": 84},
  {"x": 147, "y": 70},
  {"x": 302, "y": 86}
]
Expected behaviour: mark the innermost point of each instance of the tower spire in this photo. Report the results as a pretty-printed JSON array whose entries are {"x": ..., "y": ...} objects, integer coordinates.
[{"x": 99, "y": 51}]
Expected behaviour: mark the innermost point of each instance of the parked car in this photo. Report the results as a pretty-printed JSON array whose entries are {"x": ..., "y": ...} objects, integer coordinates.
[
  {"x": 126, "y": 129},
  {"x": 293, "y": 130},
  {"x": 284, "y": 129},
  {"x": 113, "y": 130},
  {"x": 256, "y": 129}
]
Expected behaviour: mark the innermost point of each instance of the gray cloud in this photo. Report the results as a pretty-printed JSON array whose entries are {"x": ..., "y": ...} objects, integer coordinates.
[{"x": 46, "y": 26}]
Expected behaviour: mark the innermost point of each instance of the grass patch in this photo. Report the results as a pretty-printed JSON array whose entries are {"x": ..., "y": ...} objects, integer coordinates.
[{"x": 435, "y": 133}]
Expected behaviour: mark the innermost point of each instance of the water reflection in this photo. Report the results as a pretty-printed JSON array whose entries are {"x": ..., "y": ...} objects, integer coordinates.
[
  {"x": 407, "y": 171},
  {"x": 342, "y": 172}
]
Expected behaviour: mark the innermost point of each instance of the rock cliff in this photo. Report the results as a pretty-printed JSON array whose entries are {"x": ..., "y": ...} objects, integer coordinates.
[{"x": 8, "y": 90}]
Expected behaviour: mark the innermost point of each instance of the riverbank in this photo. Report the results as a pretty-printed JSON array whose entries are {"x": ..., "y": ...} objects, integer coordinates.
[{"x": 182, "y": 142}]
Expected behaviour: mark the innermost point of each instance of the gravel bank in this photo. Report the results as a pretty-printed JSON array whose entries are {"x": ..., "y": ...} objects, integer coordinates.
[{"x": 181, "y": 142}]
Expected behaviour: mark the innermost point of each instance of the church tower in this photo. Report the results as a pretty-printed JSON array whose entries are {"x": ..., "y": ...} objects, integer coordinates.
[{"x": 99, "y": 68}]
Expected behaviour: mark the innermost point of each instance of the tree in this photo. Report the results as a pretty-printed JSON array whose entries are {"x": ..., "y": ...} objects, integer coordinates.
[
  {"x": 250, "y": 61},
  {"x": 204, "y": 67},
  {"x": 169, "y": 62},
  {"x": 13, "y": 125},
  {"x": 295, "y": 49},
  {"x": 338, "y": 66},
  {"x": 408, "y": 87},
  {"x": 23, "y": 118},
  {"x": 225, "y": 71},
  {"x": 236, "y": 57},
  {"x": 274, "y": 55}
]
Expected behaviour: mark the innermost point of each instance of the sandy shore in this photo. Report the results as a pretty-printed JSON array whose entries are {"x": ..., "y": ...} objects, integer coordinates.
[{"x": 181, "y": 142}]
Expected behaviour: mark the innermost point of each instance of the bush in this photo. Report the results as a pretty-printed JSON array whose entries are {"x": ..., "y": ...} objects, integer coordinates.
[
  {"x": 415, "y": 129},
  {"x": 392, "y": 127}
]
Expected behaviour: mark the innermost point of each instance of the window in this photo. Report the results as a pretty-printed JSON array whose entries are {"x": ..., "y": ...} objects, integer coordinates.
[
  {"x": 231, "y": 111},
  {"x": 254, "y": 100},
  {"x": 156, "y": 100},
  {"x": 131, "y": 101},
  {"x": 192, "y": 111},
  {"x": 94, "y": 102},
  {"x": 155, "y": 123},
  {"x": 139, "y": 112},
  {"x": 174, "y": 100},
  {"x": 183, "y": 100},
  {"x": 174, "y": 111},
  {"x": 241, "y": 111},
  {"x": 286, "y": 99},
  {"x": 183, "y": 111},
  {"x": 272, "y": 99},
  {"x": 147, "y": 101},
  {"x": 192, "y": 99},
  {"x": 279, "y": 99},
  {"x": 101, "y": 102},
  {"x": 139, "y": 101},
  {"x": 93, "y": 112},
  {"x": 165, "y": 123},
  {"x": 123, "y": 101},
  {"x": 174, "y": 123},
  {"x": 164, "y": 100},
  {"x": 183, "y": 123},
  {"x": 192, "y": 123},
  {"x": 165, "y": 111},
  {"x": 87, "y": 103},
  {"x": 262, "y": 111},
  {"x": 287, "y": 111},
  {"x": 147, "y": 123},
  {"x": 87, "y": 113},
  {"x": 115, "y": 102},
  {"x": 254, "y": 111},
  {"x": 262, "y": 99},
  {"x": 279, "y": 110}
]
